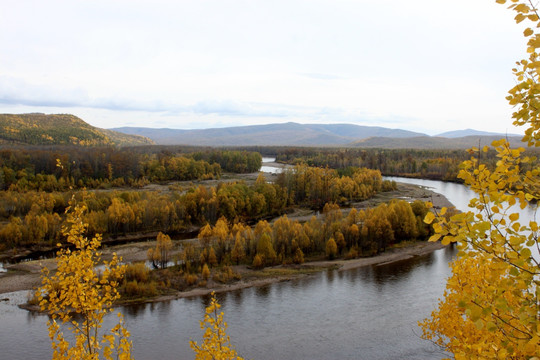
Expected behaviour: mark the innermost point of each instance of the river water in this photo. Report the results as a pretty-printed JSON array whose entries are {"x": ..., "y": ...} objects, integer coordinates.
[
  {"x": 366, "y": 313},
  {"x": 266, "y": 168}
]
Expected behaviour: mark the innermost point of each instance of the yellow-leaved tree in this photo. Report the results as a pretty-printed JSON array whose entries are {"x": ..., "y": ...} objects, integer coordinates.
[
  {"x": 491, "y": 306},
  {"x": 77, "y": 296},
  {"x": 160, "y": 254},
  {"x": 216, "y": 343}
]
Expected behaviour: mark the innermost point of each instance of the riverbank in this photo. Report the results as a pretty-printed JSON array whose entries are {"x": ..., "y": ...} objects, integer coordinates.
[
  {"x": 26, "y": 275},
  {"x": 392, "y": 255},
  {"x": 31, "y": 279}
]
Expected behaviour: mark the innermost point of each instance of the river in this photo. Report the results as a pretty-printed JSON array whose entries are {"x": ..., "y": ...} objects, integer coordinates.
[{"x": 365, "y": 313}]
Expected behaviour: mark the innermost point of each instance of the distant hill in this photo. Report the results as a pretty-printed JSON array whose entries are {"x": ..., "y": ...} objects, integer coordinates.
[
  {"x": 471, "y": 132},
  {"x": 59, "y": 129},
  {"x": 271, "y": 134},
  {"x": 433, "y": 142}
]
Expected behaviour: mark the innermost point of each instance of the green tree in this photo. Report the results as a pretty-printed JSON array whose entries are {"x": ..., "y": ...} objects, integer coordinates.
[{"x": 491, "y": 307}]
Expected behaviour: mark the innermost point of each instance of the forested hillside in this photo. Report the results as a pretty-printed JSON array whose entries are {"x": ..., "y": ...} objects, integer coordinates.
[{"x": 59, "y": 129}]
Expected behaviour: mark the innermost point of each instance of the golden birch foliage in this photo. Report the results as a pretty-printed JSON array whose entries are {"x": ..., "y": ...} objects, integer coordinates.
[
  {"x": 491, "y": 306},
  {"x": 216, "y": 343},
  {"x": 160, "y": 254},
  {"x": 331, "y": 248},
  {"x": 77, "y": 297}
]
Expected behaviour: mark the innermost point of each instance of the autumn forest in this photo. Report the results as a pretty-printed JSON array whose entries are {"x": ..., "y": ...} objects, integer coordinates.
[{"x": 93, "y": 221}]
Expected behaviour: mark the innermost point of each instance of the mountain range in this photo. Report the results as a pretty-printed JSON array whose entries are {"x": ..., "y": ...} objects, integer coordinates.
[
  {"x": 294, "y": 134},
  {"x": 65, "y": 129},
  {"x": 271, "y": 134}
]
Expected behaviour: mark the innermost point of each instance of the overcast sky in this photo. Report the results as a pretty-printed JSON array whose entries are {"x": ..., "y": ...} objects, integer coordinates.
[{"x": 421, "y": 65}]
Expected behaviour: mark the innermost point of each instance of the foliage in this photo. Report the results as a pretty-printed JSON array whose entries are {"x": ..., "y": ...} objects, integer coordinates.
[
  {"x": 427, "y": 164},
  {"x": 78, "y": 296},
  {"x": 491, "y": 306},
  {"x": 138, "y": 282},
  {"x": 160, "y": 254},
  {"x": 318, "y": 186},
  {"x": 168, "y": 167},
  {"x": 35, "y": 168},
  {"x": 331, "y": 249},
  {"x": 33, "y": 217},
  {"x": 356, "y": 233},
  {"x": 232, "y": 161},
  {"x": 205, "y": 273},
  {"x": 216, "y": 343}
]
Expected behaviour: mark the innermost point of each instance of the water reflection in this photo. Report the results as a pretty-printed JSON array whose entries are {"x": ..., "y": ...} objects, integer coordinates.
[
  {"x": 400, "y": 270},
  {"x": 263, "y": 292},
  {"x": 237, "y": 297},
  {"x": 136, "y": 309}
]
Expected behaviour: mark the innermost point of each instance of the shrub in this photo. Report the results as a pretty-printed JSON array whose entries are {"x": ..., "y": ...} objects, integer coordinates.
[
  {"x": 298, "y": 256},
  {"x": 352, "y": 254},
  {"x": 137, "y": 271},
  {"x": 191, "y": 279},
  {"x": 205, "y": 272},
  {"x": 226, "y": 274},
  {"x": 258, "y": 262}
]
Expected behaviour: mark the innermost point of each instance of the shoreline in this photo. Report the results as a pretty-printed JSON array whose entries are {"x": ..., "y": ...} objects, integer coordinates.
[
  {"x": 392, "y": 255},
  {"x": 26, "y": 275}
]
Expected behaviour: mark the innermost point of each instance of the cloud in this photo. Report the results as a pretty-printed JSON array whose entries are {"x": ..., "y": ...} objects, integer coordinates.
[
  {"x": 15, "y": 91},
  {"x": 317, "y": 76}
]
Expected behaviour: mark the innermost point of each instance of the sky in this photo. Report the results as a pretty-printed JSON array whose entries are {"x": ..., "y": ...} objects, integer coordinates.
[{"x": 421, "y": 65}]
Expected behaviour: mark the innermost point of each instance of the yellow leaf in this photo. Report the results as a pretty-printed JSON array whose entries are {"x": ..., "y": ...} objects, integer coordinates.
[
  {"x": 525, "y": 253},
  {"x": 447, "y": 240},
  {"x": 429, "y": 218}
]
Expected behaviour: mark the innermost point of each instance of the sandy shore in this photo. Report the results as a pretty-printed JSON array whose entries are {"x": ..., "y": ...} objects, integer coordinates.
[{"x": 26, "y": 275}]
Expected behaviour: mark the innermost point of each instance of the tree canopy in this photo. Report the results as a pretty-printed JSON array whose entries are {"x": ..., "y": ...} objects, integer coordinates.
[{"x": 491, "y": 307}]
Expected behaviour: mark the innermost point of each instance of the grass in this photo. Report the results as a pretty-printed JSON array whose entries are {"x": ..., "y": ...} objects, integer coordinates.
[
  {"x": 406, "y": 243},
  {"x": 276, "y": 272}
]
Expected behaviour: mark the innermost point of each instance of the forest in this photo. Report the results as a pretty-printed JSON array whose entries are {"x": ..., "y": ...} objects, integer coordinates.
[
  {"x": 338, "y": 234},
  {"x": 60, "y": 168},
  {"x": 26, "y": 168},
  {"x": 38, "y": 184},
  {"x": 165, "y": 193}
]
